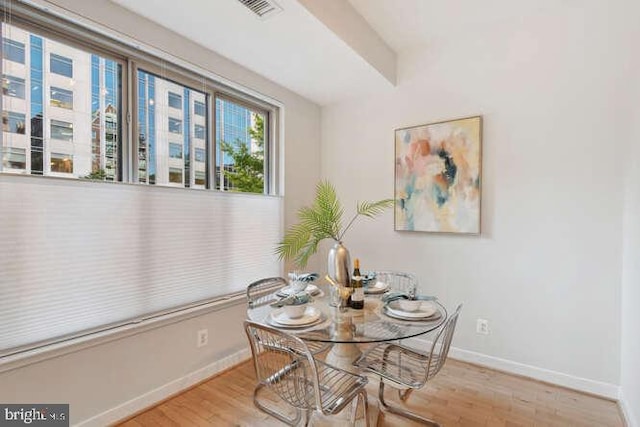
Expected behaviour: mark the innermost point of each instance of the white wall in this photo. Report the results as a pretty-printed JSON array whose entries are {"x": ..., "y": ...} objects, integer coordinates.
[
  {"x": 546, "y": 270},
  {"x": 104, "y": 377},
  {"x": 630, "y": 315}
]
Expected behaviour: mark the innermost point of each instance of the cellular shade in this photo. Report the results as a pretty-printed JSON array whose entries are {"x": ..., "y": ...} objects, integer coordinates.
[{"x": 81, "y": 256}]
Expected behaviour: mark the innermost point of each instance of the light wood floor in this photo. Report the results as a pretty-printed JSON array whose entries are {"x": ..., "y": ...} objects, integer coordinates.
[{"x": 460, "y": 395}]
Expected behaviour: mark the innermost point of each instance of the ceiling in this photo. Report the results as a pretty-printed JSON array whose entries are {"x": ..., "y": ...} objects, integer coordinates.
[
  {"x": 303, "y": 49},
  {"x": 292, "y": 48}
]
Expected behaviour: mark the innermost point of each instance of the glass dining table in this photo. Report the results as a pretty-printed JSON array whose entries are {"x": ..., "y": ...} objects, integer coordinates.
[{"x": 346, "y": 328}]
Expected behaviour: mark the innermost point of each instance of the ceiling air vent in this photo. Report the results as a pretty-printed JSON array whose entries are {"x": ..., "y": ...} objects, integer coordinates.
[{"x": 263, "y": 8}]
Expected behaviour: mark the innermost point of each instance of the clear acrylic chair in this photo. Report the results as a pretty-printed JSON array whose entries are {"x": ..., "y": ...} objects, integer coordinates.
[
  {"x": 398, "y": 281},
  {"x": 407, "y": 369},
  {"x": 299, "y": 379}
]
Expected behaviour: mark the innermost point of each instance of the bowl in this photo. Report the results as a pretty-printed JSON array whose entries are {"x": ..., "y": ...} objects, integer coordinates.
[
  {"x": 409, "y": 305},
  {"x": 297, "y": 286},
  {"x": 295, "y": 311}
]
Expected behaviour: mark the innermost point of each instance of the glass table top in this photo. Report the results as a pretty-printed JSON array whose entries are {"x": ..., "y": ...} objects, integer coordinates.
[{"x": 331, "y": 324}]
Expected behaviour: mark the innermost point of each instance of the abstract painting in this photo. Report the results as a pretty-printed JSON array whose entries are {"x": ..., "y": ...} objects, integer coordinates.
[{"x": 437, "y": 183}]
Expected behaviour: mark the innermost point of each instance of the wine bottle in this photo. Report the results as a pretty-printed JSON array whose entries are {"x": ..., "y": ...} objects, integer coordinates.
[{"x": 357, "y": 297}]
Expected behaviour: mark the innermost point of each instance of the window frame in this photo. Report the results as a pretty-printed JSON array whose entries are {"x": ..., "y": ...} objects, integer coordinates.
[{"x": 131, "y": 56}]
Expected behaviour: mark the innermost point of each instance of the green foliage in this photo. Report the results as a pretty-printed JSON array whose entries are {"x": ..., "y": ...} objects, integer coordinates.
[
  {"x": 99, "y": 174},
  {"x": 247, "y": 173},
  {"x": 322, "y": 220}
]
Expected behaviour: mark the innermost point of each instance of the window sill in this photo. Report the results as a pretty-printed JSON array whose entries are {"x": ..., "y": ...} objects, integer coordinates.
[{"x": 89, "y": 340}]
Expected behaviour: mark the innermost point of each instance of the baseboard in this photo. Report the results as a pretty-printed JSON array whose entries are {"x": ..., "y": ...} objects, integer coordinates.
[
  {"x": 609, "y": 391},
  {"x": 146, "y": 400},
  {"x": 628, "y": 416}
]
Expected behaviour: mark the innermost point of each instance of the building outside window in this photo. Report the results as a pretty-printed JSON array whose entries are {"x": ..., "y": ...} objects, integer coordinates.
[
  {"x": 175, "y": 101},
  {"x": 175, "y": 150},
  {"x": 13, "y": 86},
  {"x": 175, "y": 125},
  {"x": 200, "y": 109},
  {"x": 61, "y": 130},
  {"x": 61, "y": 65},
  {"x": 199, "y": 131},
  {"x": 62, "y": 98},
  {"x": 200, "y": 155},
  {"x": 62, "y": 163},
  {"x": 13, "y": 122},
  {"x": 240, "y": 137},
  {"x": 14, "y": 158},
  {"x": 95, "y": 137},
  {"x": 175, "y": 175},
  {"x": 13, "y": 51},
  {"x": 200, "y": 178}
]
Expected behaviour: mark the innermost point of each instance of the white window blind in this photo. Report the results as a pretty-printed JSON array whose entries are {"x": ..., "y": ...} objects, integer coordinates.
[{"x": 77, "y": 257}]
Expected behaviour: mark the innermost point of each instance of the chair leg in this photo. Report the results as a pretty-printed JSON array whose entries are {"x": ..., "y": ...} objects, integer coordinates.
[
  {"x": 404, "y": 394},
  {"x": 289, "y": 421},
  {"x": 400, "y": 411},
  {"x": 365, "y": 407}
]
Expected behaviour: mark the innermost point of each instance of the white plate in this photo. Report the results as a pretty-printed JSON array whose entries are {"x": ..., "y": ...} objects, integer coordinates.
[
  {"x": 377, "y": 288},
  {"x": 426, "y": 310},
  {"x": 280, "y": 318},
  {"x": 311, "y": 289}
]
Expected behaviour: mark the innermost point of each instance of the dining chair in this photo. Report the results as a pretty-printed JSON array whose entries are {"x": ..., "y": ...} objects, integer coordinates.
[
  {"x": 407, "y": 369},
  {"x": 263, "y": 292},
  {"x": 398, "y": 281},
  {"x": 299, "y": 379}
]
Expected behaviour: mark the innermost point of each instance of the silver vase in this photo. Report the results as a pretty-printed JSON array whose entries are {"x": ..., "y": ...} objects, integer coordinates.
[{"x": 339, "y": 264}]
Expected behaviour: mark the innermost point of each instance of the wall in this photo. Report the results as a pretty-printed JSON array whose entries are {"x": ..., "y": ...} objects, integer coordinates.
[
  {"x": 110, "y": 380},
  {"x": 546, "y": 269},
  {"x": 630, "y": 315}
]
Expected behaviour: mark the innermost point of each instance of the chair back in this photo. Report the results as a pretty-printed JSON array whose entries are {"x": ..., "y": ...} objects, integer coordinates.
[
  {"x": 261, "y": 292},
  {"x": 284, "y": 364},
  {"x": 440, "y": 347},
  {"x": 398, "y": 281}
]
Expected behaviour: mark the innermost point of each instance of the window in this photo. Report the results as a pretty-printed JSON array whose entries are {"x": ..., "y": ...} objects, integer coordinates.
[
  {"x": 175, "y": 101},
  {"x": 162, "y": 139},
  {"x": 61, "y": 65},
  {"x": 175, "y": 125},
  {"x": 80, "y": 131},
  {"x": 13, "y": 50},
  {"x": 13, "y": 122},
  {"x": 61, "y": 130},
  {"x": 200, "y": 155},
  {"x": 240, "y": 138},
  {"x": 14, "y": 158},
  {"x": 62, "y": 163},
  {"x": 13, "y": 86},
  {"x": 175, "y": 151},
  {"x": 199, "y": 131},
  {"x": 175, "y": 175},
  {"x": 200, "y": 178},
  {"x": 199, "y": 109},
  {"x": 62, "y": 98},
  {"x": 92, "y": 98}
]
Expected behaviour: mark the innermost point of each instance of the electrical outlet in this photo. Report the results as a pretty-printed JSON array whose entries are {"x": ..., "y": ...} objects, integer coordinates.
[
  {"x": 203, "y": 338},
  {"x": 482, "y": 327}
]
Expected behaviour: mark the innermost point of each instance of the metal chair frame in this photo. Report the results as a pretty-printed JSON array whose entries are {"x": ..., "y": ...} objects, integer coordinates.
[
  {"x": 407, "y": 369},
  {"x": 284, "y": 364},
  {"x": 398, "y": 281}
]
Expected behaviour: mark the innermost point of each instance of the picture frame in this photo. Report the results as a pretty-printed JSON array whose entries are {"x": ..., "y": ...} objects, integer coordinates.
[{"x": 438, "y": 177}]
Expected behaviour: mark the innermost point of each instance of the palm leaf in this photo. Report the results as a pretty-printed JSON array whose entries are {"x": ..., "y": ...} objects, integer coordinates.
[
  {"x": 322, "y": 220},
  {"x": 372, "y": 209}
]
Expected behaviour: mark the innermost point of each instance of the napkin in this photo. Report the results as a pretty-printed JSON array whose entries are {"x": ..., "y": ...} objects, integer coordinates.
[
  {"x": 392, "y": 296},
  {"x": 304, "y": 277},
  {"x": 296, "y": 299}
]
